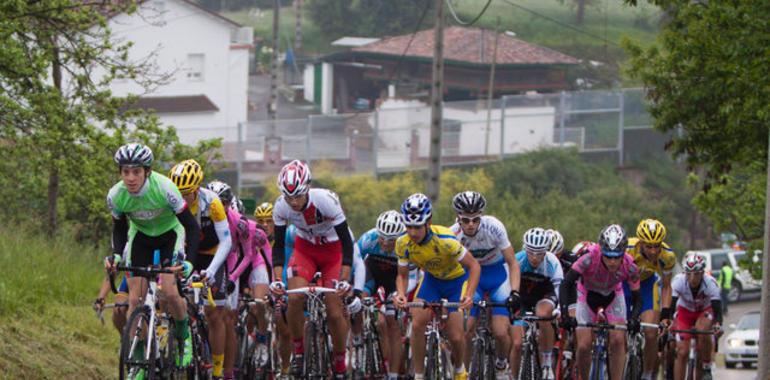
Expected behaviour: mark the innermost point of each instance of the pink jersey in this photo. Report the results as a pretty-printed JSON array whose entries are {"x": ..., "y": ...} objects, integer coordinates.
[
  {"x": 250, "y": 239},
  {"x": 596, "y": 278}
]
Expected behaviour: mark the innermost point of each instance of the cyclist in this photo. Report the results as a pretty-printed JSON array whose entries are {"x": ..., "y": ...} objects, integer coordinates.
[
  {"x": 566, "y": 257},
  {"x": 323, "y": 244},
  {"x": 699, "y": 306},
  {"x": 377, "y": 248},
  {"x": 486, "y": 239},
  {"x": 264, "y": 218},
  {"x": 149, "y": 214},
  {"x": 118, "y": 312},
  {"x": 656, "y": 261},
  {"x": 213, "y": 250},
  {"x": 541, "y": 275},
  {"x": 450, "y": 273},
  {"x": 601, "y": 270}
]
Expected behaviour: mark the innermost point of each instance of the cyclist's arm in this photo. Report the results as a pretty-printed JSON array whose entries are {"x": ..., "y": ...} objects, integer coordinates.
[
  {"x": 278, "y": 251},
  {"x": 514, "y": 272},
  {"x": 223, "y": 248},
  {"x": 636, "y": 301},
  {"x": 119, "y": 234},
  {"x": 402, "y": 280},
  {"x": 343, "y": 233},
  {"x": 249, "y": 255},
  {"x": 359, "y": 270},
  {"x": 668, "y": 312},
  {"x": 568, "y": 291},
  {"x": 666, "y": 292},
  {"x": 192, "y": 233},
  {"x": 104, "y": 289},
  {"x": 716, "y": 306},
  {"x": 470, "y": 263}
]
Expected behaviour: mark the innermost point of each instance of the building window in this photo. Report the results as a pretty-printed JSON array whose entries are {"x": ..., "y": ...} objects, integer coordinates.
[{"x": 195, "y": 65}]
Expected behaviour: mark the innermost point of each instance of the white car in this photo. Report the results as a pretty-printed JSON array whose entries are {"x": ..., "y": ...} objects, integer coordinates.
[
  {"x": 742, "y": 344},
  {"x": 743, "y": 282}
]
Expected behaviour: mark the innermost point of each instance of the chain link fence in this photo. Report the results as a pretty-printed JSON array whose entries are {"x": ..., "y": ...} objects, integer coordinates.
[{"x": 396, "y": 137}]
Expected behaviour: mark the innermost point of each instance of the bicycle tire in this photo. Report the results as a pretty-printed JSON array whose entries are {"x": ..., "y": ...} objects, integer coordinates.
[
  {"x": 168, "y": 353},
  {"x": 432, "y": 365},
  {"x": 139, "y": 318},
  {"x": 490, "y": 368},
  {"x": 199, "y": 369},
  {"x": 634, "y": 364},
  {"x": 266, "y": 372},
  {"x": 476, "y": 366}
]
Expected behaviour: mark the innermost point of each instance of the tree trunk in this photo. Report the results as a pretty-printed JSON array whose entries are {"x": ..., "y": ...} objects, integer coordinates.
[
  {"x": 581, "y": 12},
  {"x": 53, "y": 175}
]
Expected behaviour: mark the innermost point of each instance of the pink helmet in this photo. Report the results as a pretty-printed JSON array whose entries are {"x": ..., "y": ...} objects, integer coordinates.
[{"x": 294, "y": 179}]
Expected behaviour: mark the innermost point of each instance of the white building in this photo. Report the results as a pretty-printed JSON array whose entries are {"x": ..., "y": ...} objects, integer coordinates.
[{"x": 206, "y": 59}]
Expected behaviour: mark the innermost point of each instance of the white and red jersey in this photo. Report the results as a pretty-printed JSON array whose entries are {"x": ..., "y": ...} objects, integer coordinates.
[
  {"x": 707, "y": 292},
  {"x": 316, "y": 223}
]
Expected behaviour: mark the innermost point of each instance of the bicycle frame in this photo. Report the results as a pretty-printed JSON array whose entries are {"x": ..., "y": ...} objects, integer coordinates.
[
  {"x": 692, "y": 356},
  {"x": 530, "y": 346},
  {"x": 434, "y": 335},
  {"x": 482, "y": 364},
  {"x": 316, "y": 310}
]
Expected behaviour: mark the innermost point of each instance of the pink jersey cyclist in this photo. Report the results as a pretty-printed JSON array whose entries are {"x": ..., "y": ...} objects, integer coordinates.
[
  {"x": 600, "y": 288},
  {"x": 248, "y": 240}
]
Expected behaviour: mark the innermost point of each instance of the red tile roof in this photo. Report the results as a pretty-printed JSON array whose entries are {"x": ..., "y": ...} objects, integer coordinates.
[
  {"x": 471, "y": 45},
  {"x": 175, "y": 104}
]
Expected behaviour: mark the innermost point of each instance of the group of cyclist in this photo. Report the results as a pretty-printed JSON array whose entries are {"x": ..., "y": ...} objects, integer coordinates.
[{"x": 203, "y": 230}]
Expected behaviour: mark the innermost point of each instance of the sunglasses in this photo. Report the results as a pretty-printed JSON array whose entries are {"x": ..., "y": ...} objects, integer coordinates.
[
  {"x": 466, "y": 220},
  {"x": 536, "y": 253},
  {"x": 652, "y": 246},
  {"x": 613, "y": 258}
]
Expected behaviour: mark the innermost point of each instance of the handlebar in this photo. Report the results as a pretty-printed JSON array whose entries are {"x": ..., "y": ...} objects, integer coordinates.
[
  {"x": 603, "y": 326},
  {"x": 202, "y": 285},
  {"x": 311, "y": 290},
  {"x": 432, "y": 305}
]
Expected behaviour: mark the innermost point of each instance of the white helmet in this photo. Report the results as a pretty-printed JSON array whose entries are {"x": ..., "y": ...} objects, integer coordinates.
[
  {"x": 134, "y": 154},
  {"x": 694, "y": 262},
  {"x": 294, "y": 179},
  {"x": 390, "y": 225},
  {"x": 537, "y": 239},
  {"x": 557, "y": 241},
  {"x": 613, "y": 241}
]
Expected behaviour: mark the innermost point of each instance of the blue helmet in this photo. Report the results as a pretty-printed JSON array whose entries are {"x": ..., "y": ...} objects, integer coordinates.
[{"x": 416, "y": 210}]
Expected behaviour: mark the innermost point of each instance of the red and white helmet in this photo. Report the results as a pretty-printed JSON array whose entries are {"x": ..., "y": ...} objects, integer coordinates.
[
  {"x": 294, "y": 179},
  {"x": 694, "y": 262}
]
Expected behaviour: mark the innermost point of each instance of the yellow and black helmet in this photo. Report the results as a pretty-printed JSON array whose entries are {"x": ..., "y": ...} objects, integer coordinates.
[
  {"x": 651, "y": 231},
  {"x": 187, "y": 176},
  {"x": 264, "y": 210}
]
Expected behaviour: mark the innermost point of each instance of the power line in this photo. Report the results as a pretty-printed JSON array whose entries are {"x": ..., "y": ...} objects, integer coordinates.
[
  {"x": 562, "y": 24},
  {"x": 411, "y": 39},
  {"x": 461, "y": 22}
]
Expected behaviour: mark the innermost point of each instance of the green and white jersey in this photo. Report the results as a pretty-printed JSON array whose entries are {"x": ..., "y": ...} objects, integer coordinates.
[{"x": 153, "y": 209}]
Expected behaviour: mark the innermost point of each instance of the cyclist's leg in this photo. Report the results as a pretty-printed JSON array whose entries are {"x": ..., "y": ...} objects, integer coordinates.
[
  {"x": 171, "y": 247},
  {"x": 259, "y": 282},
  {"x": 500, "y": 315},
  {"x": 231, "y": 337},
  {"x": 544, "y": 309},
  {"x": 215, "y": 315},
  {"x": 650, "y": 314},
  {"x": 329, "y": 260},
  {"x": 583, "y": 335},
  {"x": 426, "y": 291},
  {"x": 393, "y": 335},
  {"x": 119, "y": 313},
  {"x": 705, "y": 322},
  {"x": 683, "y": 320},
  {"x": 617, "y": 350},
  {"x": 517, "y": 337},
  {"x": 453, "y": 291},
  {"x": 284, "y": 339}
]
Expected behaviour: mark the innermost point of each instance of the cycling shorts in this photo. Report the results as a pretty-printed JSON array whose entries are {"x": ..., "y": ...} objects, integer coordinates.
[
  {"x": 614, "y": 305},
  {"x": 259, "y": 276},
  {"x": 432, "y": 289},
  {"x": 140, "y": 249},
  {"x": 123, "y": 287},
  {"x": 232, "y": 298},
  {"x": 493, "y": 281},
  {"x": 219, "y": 287},
  {"x": 686, "y": 319},
  {"x": 650, "y": 291},
  {"x": 310, "y": 258}
]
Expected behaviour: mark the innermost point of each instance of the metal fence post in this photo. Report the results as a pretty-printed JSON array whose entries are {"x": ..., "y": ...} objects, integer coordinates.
[
  {"x": 562, "y": 105},
  {"x": 503, "y": 106},
  {"x": 376, "y": 143},
  {"x": 620, "y": 128},
  {"x": 239, "y": 157}
]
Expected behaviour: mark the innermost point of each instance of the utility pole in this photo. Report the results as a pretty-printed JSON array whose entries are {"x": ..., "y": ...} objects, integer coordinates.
[
  {"x": 491, "y": 91},
  {"x": 437, "y": 98},
  {"x": 297, "y": 27},
  {"x": 763, "y": 370},
  {"x": 272, "y": 109}
]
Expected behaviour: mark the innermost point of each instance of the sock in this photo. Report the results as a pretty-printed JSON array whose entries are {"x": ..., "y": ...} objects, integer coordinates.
[
  {"x": 219, "y": 361},
  {"x": 460, "y": 369},
  {"x": 501, "y": 363},
  {"x": 392, "y": 376},
  {"x": 418, "y": 376},
  {"x": 647, "y": 375},
  {"x": 547, "y": 358},
  {"x": 229, "y": 375},
  {"x": 299, "y": 346},
  {"x": 339, "y": 362},
  {"x": 181, "y": 330}
]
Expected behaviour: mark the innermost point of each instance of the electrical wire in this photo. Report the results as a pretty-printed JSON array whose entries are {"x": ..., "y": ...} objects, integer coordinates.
[
  {"x": 555, "y": 21},
  {"x": 411, "y": 39},
  {"x": 461, "y": 22}
]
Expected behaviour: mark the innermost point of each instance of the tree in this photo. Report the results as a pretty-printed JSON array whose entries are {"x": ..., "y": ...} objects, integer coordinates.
[
  {"x": 59, "y": 123},
  {"x": 708, "y": 76}
]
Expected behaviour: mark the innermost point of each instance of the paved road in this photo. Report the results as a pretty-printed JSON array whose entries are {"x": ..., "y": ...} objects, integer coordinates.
[{"x": 735, "y": 313}]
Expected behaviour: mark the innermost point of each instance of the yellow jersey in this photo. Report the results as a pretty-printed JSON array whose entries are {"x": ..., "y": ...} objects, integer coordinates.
[
  {"x": 439, "y": 254},
  {"x": 663, "y": 266},
  {"x": 209, "y": 211}
]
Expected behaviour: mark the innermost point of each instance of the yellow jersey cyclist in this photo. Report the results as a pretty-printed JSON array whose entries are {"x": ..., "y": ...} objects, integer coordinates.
[
  {"x": 655, "y": 261},
  {"x": 486, "y": 239},
  {"x": 213, "y": 249},
  {"x": 450, "y": 273},
  {"x": 149, "y": 214}
]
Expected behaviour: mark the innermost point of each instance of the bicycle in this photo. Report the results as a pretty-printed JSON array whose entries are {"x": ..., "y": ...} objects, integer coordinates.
[
  {"x": 318, "y": 347},
  {"x": 200, "y": 368},
  {"x": 599, "y": 369},
  {"x": 635, "y": 353},
  {"x": 159, "y": 359},
  {"x": 100, "y": 312},
  {"x": 438, "y": 362},
  {"x": 530, "y": 353},
  {"x": 483, "y": 354},
  {"x": 369, "y": 361},
  {"x": 251, "y": 365},
  {"x": 692, "y": 357},
  {"x": 565, "y": 362}
]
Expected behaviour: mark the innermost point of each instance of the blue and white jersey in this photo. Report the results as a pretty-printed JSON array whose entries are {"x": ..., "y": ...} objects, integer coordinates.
[
  {"x": 489, "y": 242},
  {"x": 291, "y": 234},
  {"x": 541, "y": 278},
  {"x": 368, "y": 245},
  {"x": 381, "y": 266}
]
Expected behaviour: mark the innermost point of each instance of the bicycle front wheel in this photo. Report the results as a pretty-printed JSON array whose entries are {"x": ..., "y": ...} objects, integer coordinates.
[
  {"x": 432, "y": 361},
  {"x": 133, "y": 344},
  {"x": 634, "y": 362}
]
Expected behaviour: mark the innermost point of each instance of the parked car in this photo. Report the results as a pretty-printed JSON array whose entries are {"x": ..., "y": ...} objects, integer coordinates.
[
  {"x": 743, "y": 341},
  {"x": 743, "y": 282}
]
